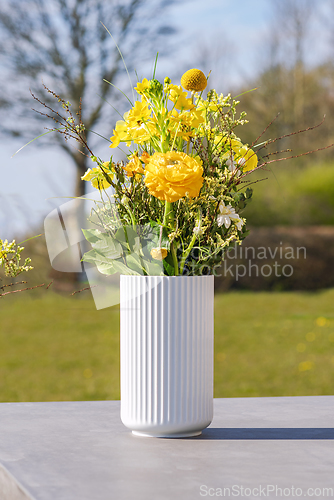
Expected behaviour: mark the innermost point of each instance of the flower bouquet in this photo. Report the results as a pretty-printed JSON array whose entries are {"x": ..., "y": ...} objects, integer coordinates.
[
  {"x": 176, "y": 201},
  {"x": 166, "y": 216}
]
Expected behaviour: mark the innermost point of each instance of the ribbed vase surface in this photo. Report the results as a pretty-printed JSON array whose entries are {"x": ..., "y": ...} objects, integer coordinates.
[{"x": 167, "y": 354}]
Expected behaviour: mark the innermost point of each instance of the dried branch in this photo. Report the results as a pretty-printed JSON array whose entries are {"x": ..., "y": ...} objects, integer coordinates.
[
  {"x": 21, "y": 290},
  {"x": 272, "y": 141},
  {"x": 265, "y": 130},
  {"x": 13, "y": 284},
  {"x": 83, "y": 289}
]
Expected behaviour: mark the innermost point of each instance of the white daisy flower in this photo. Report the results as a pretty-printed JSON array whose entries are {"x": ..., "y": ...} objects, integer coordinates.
[{"x": 228, "y": 215}]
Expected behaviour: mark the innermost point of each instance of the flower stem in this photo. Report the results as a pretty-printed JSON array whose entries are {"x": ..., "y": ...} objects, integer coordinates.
[
  {"x": 169, "y": 221},
  {"x": 169, "y": 214},
  {"x": 187, "y": 252},
  {"x": 176, "y": 264}
]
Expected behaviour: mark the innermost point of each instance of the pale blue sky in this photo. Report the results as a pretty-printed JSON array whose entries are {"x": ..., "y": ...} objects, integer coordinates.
[{"x": 240, "y": 27}]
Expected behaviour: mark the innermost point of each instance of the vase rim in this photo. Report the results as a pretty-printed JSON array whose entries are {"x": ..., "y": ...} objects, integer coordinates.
[{"x": 169, "y": 277}]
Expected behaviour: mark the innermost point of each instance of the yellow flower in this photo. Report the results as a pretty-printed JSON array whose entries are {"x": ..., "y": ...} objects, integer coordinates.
[
  {"x": 246, "y": 158},
  {"x": 95, "y": 175},
  {"x": 194, "y": 80},
  {"x": 115, "y": 140},
  {"x": 134, "y": 127},
  {"x": 134, "y": 166},
  {"x": 242, "y": 155},
  {"x": 145, "y": 157},
  {"x": 179, "y": 97},
  {"x": 173, "y": 175},
  {"x": 143, "y": 86},
  {"x": 139, "y": 113},
  {"x": 120, "y": 134},
  {"x": 159, "y": 253}
]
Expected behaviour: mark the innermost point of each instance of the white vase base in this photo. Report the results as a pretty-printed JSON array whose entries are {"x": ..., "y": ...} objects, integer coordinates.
[{"x": 167, "y": 435}]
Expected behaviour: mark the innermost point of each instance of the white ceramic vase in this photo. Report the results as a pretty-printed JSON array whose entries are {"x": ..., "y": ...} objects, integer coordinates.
[{"x": 167, "y": 354}]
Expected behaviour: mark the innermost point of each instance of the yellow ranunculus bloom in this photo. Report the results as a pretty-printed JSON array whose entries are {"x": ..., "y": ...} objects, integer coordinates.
[
  {"x": 96, "y": 177},
  {"x": 173, "y": 175}
]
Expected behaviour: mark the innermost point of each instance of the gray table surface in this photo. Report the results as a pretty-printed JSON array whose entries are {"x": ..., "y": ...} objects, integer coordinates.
[{"x": 81, "y": 450}]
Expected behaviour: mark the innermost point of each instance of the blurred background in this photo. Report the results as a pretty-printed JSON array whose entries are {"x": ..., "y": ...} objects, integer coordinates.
[{"x": 274, "y": 333}]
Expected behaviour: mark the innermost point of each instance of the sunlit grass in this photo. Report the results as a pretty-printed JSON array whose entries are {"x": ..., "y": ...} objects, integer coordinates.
[
  {"x": 266, "y": 344},
  {"x": 274, "y": 344}
]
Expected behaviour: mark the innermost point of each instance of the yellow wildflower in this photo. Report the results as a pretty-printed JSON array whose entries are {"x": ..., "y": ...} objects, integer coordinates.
[
  {"x": 173, "y": 175},
  {"x": 139, "y": 113},
  {"x": 135, "y": 127},
  {"x": 159, "y": 253},
  {"x": 134, "y": 166},
  {"x": 246, "y": 158},
  {"x": 242, "y": 155},
  {"x": 96, "y": 176},
  {"x": 143, "y": 86},
  {"x": 115, "y": 140},
  {"x": 179, "y": 97},
  {"x": 194, "y": 80},
  {"x": 120, "y": 134},
  {"x": 145, "y": 157}
]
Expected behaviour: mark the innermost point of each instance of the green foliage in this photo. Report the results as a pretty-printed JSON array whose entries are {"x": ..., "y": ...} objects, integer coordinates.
[
  {"x": 63, "y": 349},
  {"x": 126, "y": 250},
  {"x": 293, "y": 196}
]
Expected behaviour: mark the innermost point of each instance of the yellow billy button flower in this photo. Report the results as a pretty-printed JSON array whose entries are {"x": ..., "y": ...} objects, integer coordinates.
[
  {"x": 159, "y": 253},
  {"x": 96, "y": 177},
  {"x": 173, "y": 175},
  {"x": 194, "y": 80}
]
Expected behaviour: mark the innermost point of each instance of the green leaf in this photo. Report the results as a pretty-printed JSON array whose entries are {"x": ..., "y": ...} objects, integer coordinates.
[
  {"x": 123, "y": 269},
  {"x": 92, "y": 257},
  {"x": 108, "y": 247},
  {"x": 92, "y": 235},
  {"x": 134, "y": 263},
  {"x": 169, "y": 265},
  {"x": 107, "y": 268},
  {"x": 154, "y": 268}
]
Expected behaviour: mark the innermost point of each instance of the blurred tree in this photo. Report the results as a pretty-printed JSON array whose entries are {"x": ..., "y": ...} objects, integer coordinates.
[
  {"x": 63, "y": 44},
  {"x": 286, "y": 85}
]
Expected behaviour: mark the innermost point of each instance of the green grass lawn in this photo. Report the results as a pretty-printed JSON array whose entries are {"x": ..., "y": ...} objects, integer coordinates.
[{"x": 266, "y": 344}]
